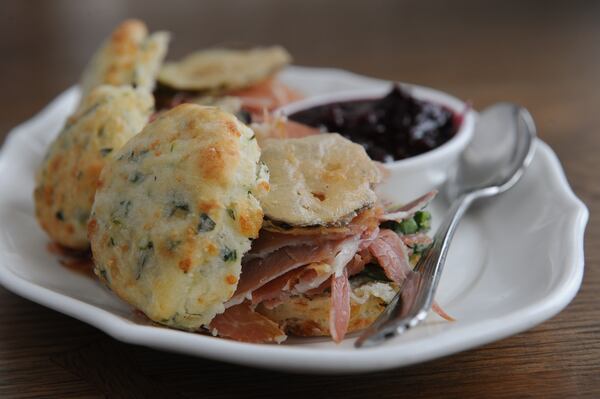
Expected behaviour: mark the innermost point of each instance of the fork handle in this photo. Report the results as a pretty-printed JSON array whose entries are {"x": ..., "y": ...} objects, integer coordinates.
[{"x": 408, "y": 309}]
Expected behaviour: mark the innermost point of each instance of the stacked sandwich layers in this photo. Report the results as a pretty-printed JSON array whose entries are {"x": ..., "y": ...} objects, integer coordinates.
[{"x": 306, "y": 270}]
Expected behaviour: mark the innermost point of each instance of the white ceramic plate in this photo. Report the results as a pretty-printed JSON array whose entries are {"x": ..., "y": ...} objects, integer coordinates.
[{"x": 515, "y": 262}]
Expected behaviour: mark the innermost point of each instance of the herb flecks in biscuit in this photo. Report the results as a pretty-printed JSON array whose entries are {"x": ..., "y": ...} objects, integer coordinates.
[
  {"x": 175, "y": 252},
  {"x": 69, "y": 175}
]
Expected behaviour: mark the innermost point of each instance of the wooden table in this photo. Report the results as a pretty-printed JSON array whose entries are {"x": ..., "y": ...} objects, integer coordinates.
[{"x": 544, "y": 56}]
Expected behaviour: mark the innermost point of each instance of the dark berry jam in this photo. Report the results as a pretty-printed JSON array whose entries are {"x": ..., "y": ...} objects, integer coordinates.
[{"x": 394, "y": 127}]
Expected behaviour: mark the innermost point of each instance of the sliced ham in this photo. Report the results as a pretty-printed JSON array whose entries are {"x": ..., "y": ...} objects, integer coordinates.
[
  {"x": 279, "y": 127},
  {"x": 367, "y": 238},
  {"x": 268, "y": 267},
  {"x": 339, "y": 313},
  {"x": 346, "y": 252},
  {"x": 286, "y": 262},
  {"x": 271, "y": 241},
  {"x": 358, "y": 263},
  {"x": 391, "y": 254},
  {"x": 355, "y": 266},
  {"x": 276, "y": 288},
  {"x": 312, "y": 276},
  {"x": 295, "y": 130},
  {"x": 258, "y": 272},
  {"x": 294, "y": 282},
  {"x": 440, "y": 312},
  {"x": 411, "y": 240},
  {"x": 408, "y": 210},
  {"x": 242, "y": 323},
  {"x": 266, "y": 95}
]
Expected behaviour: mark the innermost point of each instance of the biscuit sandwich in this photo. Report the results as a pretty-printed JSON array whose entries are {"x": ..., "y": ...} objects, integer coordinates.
[{"x": 200, "y": 230}]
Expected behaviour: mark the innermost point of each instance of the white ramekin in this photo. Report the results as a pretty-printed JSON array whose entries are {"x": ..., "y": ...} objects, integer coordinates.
[{"x": 408, "y": 178}]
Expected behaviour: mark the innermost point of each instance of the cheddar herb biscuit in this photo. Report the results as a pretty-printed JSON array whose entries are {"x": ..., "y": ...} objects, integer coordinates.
[
  {"x": 176, "y": 212},
  {"x": 67, "y": 179},
  {"x": 128, "y": 57}
]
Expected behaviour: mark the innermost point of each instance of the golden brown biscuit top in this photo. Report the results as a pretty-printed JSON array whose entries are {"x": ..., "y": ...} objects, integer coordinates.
[{"x": 317, "y": 180}]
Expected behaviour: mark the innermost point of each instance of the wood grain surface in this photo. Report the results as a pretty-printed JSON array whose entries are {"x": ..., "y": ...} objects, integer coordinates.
[{"x": 544, "y": 55}]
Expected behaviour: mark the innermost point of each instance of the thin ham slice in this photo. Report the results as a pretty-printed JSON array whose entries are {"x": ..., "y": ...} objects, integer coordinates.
[
  {"x": 266, "y": 95},
  {"x": 279, "y": 127},
  {"x": 295, "y": 130},
  {"x": 294, "y": 282},
  {"x": 440, "y": 312},
  {"x": 408, "y": 210},
  {"x": 391, "y": 254},
  {"x": 339, "y": 313},
  {"x": 275, "y": 254},
  {"x": 355, "y": 266},
  {"x": 358, "y": 263},
  {"x": 242, "y": 323},
  {"x": 271, "y": 241},
  {"x": 411, "y": 240},
  {"x": 312, "y": 276},
  {"x": 368, "y": 237},
  {"x": 258, "y": 272},
  {"x": 275, "y": 289}
]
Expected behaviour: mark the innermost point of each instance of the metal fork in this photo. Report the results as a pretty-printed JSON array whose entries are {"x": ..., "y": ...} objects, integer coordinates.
[{"x": 483, "y": 172}]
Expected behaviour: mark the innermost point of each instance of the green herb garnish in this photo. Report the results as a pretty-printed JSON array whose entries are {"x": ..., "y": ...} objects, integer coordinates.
[
  {"x": 125, "y": 207},
  {"x": 423, "y": 219},
  {"x": 206, "y": 223},
  {"x": 408, "y": 226},
  {"x": 146, "y": 251},
  {"x": 228, "y": 255},
  {"x": 231, "y": 213},
  {"x": 134, "y": 157},
  {"x": 136, "y": 177}
]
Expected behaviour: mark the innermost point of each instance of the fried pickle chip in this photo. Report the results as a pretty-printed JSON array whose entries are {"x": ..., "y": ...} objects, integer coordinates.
[
  {"x": 320, "y": 180},
  {"x": 223, "y": 69}
]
